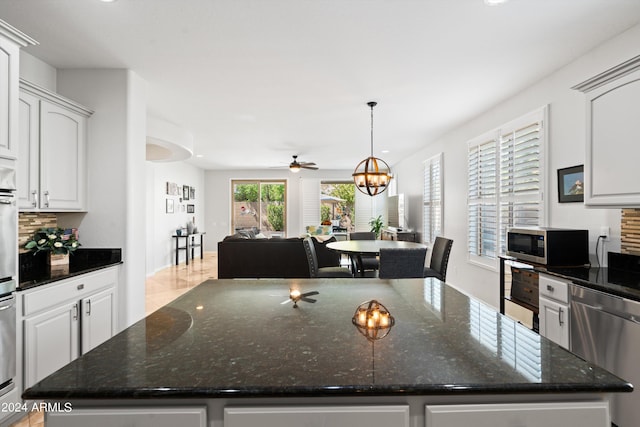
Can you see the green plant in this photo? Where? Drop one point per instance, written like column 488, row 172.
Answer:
column 325, row 213
column 275, row 216
column 54, row 240
column 376, row 225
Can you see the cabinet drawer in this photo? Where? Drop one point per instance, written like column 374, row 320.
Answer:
column 553, row 288
column 50, row 295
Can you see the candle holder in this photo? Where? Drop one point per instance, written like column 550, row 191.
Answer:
column 373, row 320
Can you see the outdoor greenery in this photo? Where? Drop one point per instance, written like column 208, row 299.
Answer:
column 246, row 192
column 271, row 198
column 325, row 213
column 275, row 217
column 342, row 209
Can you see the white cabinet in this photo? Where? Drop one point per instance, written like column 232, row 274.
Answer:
column 612, row 176
column 11, row 40
column 352, row 416
column 52, row 157
column 187, row 416
column 583, row 414
column 66, row 319
column 554, row 309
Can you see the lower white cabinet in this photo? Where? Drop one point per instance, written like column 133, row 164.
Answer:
column 66, row 319
column 294, row 416
column 583, row 414
column 554, row 309
column 187, row 416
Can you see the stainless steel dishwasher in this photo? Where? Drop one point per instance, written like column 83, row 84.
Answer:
column 605, row 330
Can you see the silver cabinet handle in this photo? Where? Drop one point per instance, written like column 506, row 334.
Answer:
column 6, row 307
column 560, row 317
column 46, row 199
column 34, row 193
column 88, row 307
column 75, row 311
column 5, row 201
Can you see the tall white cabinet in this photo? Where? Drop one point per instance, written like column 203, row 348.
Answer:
column 554, row 309
column 52, row 172
column 612, row 176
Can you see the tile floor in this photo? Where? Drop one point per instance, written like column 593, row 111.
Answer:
column 161, row 288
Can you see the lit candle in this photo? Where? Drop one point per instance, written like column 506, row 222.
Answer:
column 362, row 317
column 384, row 320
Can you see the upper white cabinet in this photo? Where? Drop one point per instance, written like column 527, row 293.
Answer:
column 612, row 176
column 52, row 157
column 11, row 40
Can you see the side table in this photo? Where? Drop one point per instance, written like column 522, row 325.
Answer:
column 190, row 243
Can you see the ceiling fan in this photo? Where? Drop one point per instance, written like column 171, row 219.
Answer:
column 295, row 166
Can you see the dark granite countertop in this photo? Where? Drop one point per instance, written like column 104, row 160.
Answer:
column 34, row 270
column 236, row 338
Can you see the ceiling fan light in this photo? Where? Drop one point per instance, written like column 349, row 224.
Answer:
column 294, row 168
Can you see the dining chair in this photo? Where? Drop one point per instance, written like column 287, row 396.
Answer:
column 402, row 263
column 317, row 272
column 439, row 259
column 365, row 263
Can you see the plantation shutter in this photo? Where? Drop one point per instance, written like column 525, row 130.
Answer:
column 506, row 182
column 520, row 178
column 482, row 205
column 310, row 197
column 432, row 221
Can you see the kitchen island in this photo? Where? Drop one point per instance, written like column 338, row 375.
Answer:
column 234, row 350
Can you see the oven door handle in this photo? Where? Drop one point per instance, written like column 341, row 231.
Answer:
column 7, row 307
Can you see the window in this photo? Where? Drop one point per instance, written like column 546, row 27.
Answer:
column 337, row 204
column 259, row 206
column 505, row 187
column 432, row 203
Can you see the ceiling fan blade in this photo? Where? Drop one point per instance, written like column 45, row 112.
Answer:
column 308, row 300
column 309, row 167
column 306, row 163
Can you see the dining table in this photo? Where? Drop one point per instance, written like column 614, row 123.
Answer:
column 358, row 248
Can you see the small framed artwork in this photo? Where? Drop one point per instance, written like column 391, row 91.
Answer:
column 191, row 208
column 192, row 193
column 185, row 192
column 169, row 205
column 571, row 184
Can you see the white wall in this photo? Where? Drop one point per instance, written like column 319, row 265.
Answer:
column 38, row 72
column 116, row 174
column 567, row 128
column 161, row 225
column 218, row 198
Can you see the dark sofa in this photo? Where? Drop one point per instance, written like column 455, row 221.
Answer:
column 242, row 257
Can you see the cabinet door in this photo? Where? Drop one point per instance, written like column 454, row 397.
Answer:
column 62, row 158
column 50, row 341
column 611, row 171
column 98, row 319
column 352, row 416
column 29, row 152
column 8, row 98
column 583, row 414
column 188, row 416
column 554, row 321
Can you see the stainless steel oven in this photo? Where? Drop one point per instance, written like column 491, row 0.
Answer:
column 7, row 335
column 8, row 268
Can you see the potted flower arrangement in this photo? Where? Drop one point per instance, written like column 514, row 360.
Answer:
column 58, row 242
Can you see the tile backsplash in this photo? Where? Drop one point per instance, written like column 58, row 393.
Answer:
column 630, row 231
column 30, row 222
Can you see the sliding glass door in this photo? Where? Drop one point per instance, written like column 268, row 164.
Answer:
column 259, row 206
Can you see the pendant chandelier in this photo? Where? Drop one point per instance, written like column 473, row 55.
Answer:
column 372, row 175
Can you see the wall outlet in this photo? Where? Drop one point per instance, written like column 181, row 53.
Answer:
column 604, row 232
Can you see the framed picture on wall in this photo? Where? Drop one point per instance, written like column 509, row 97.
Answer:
column 192, row 193
column 191, row 208
column 571, row 184
column 185, row 192
column 169, row 205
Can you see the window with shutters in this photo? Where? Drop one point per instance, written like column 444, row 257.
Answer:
column 505, row 184
column 432, row 200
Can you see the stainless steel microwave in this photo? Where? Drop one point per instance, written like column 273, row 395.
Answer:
column 549, row 246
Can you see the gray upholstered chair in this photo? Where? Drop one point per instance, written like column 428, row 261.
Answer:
column 402, row 263
column 439, row 259
column 317, row 272
column 364, row 263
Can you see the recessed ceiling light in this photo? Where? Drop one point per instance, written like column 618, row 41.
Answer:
column 199, row 156
column 384, row 151
column 108, row 1
column 494, row 2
